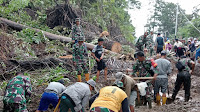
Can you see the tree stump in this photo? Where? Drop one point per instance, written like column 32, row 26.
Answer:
column 113, row 46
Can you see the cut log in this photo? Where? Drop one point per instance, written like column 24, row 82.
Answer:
column 19, row 27
column 66, row 57
column 113, row 46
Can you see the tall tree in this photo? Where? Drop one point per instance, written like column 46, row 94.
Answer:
column 164, row 17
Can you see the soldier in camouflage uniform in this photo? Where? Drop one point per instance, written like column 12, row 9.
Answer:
column 17, row 94
column 80, row 55
column 184, row 77
column 140, row 43
column 145, row 68
column 150, row 43
column 77, row 31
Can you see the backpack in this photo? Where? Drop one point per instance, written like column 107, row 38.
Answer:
column 160, row 41
column 180, row 66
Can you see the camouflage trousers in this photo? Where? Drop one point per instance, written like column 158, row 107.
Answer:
column 149, row 89
column 100, row 109
column 14, row 107
column 81, row 68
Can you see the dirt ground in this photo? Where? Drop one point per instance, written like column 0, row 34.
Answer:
column 178, row 106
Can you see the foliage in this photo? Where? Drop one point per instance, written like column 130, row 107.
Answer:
column 164, row 17
column 3, row 85
column 106, row 13
column 189, row 30
column 127, row 49
column 55, row 74
column 31, row 36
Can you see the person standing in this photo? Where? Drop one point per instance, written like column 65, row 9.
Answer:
column 77, row 31
column 159, row 43
column 140, row 43
column 76, row 96
column 179, row 49
column 51, row 95
column 161, row 81
column 129, row 85
column 197, row 54
column 184, row 67
column 17, row 94
column 168, row 46
column 145, row 68
column 98, row 53
column 150, row 43
column 192, row 49
column 80, row 55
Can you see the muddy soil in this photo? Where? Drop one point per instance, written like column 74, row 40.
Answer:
column 179, row 105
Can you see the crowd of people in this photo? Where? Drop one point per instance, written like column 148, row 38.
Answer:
column 125, row 93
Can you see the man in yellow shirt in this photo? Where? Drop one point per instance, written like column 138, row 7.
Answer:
column 110, row 99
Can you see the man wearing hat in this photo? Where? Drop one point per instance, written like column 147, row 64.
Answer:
column 98, row 53
column 129, row 85
column 51, row 95
column 77, row 31
column 76, row 96
column 162, row 78
column 80, row 55
column 110, row 99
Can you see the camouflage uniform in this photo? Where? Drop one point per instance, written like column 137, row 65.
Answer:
column 18, row 91
column 142, row 70
column 140, row 43
column 80, row 55
column 150, row 44
column 77, row 32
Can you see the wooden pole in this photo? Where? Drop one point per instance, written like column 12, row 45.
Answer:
column 143, row 78
column 57, row 106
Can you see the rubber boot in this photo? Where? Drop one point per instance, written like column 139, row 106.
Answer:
column 164, row 100
column 79, row 78
column 158, row 100
column 187, row 99
column 87, row 76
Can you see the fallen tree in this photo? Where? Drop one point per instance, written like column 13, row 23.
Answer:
column 51, row 36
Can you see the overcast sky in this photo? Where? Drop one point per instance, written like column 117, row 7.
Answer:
column 139, row 16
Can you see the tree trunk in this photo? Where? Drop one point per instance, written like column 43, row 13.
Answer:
column 113, row 46
column 19, row 27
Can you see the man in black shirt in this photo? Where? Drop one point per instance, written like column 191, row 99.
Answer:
column 98, row 53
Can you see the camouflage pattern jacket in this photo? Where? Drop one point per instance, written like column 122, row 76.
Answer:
column 149, row 42
column 80, row 53
column 77, row 32
column 142, row 68
column 18, row 90
column 187, row 63
column 140, row 43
